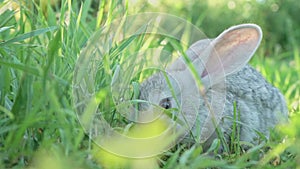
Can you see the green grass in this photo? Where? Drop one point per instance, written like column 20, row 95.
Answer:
column 39, row 47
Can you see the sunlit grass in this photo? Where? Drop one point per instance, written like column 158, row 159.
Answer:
column 138, row 131
column 39, row 46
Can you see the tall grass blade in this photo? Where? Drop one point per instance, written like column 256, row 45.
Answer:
column 28, row 35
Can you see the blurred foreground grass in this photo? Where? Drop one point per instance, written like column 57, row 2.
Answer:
column 39, row 45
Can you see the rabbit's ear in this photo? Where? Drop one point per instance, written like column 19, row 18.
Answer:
column 230, row 52
column 197, row 49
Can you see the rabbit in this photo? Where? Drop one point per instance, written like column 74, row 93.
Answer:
column 221, row 64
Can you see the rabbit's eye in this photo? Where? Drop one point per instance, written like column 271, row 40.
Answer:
column 165, row 103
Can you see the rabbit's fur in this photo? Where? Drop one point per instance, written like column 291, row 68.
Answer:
column 259, row 105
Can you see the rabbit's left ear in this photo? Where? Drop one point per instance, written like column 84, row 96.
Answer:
column 196, row 53
column 214, row 59
column 230, row 51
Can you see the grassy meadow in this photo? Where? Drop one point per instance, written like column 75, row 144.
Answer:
column 41, row 40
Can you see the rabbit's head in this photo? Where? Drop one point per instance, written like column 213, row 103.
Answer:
column 213, row 60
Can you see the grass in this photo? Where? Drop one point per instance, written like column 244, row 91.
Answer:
column 38, row 54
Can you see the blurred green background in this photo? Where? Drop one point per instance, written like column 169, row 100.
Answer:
column 41, row 40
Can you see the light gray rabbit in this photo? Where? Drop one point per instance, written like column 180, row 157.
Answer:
column 221, row 63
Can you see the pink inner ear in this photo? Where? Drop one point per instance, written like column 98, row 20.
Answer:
column 235, row 48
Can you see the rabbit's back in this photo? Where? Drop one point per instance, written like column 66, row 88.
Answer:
column 260, row 106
